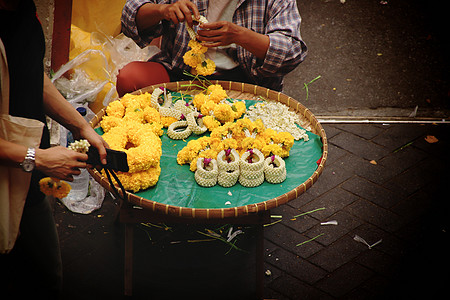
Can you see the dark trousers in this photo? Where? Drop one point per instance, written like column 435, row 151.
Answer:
column 34, row 265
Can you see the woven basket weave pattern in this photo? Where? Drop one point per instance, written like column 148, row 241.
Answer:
column 235, row 90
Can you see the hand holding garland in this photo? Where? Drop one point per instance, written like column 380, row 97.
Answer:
column 224, row 33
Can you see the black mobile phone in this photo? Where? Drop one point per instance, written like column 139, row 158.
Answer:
column 115, row 160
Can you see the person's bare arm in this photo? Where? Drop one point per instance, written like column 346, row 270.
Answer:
column 58, row 162
column 64, row 113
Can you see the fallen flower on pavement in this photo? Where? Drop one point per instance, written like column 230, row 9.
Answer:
column 361, row 240
column 431, row 139
column 332, row 222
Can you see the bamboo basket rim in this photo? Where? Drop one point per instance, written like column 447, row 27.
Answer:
column 238, row 211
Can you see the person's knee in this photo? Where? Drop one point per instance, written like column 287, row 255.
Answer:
column 138, row 74
column 126, row 80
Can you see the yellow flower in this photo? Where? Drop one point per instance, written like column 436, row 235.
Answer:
column 54, row 187
column 272, row 149
column 239, row 109
column 208, row 107
column 199, row 100
column 206, row 67
column 166, row 121
column 224, row 113
column 151, row 115
column 61, row 189
column 216, row 93
column 156, row 128
column 230, row 144
column 210, row 122
column 116, row 138
column 286, row 139
column 46, row 186
column 116, row 109
column 197, row 47
column 109, row 122
column 140, row 180
column 251, row 143
column 192, row 59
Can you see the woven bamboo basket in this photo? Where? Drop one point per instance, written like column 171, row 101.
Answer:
column 234, row 90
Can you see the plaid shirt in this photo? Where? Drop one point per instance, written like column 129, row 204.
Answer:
column 278, row 19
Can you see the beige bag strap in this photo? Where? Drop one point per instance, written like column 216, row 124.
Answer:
column 4, row 81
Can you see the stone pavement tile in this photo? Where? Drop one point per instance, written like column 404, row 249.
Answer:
column 293, row 289
column 367, row 131
column 403, row 159
column 337, row 254
column 370, row 191
column 331, row 176
column 379, row 262
column 294, row 266
column 333, row 201
column 390, row 243
column 334, row 154
column 417, row 205
column 376, row 173
column 398, row 135
column 377, row 287
column 374, row 214
column 288, row 238
column 330, row 130
column 416, row 177
column 300, row 224
column 359, row 146
column 343, row 280
column 302, row 199
column 439, row 149
column 331, row 233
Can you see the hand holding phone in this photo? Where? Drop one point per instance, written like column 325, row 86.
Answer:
column 116, row 160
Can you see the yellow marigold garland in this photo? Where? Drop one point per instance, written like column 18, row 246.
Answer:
column 54, row 187
column 195, row 58
column 134, row 125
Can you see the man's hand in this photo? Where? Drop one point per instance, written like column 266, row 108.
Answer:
column 220, row 33
column 223, row 33
column 180, row 11
column 60, row 162
column 95, row 140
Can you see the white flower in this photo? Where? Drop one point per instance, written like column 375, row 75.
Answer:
column 277, row 116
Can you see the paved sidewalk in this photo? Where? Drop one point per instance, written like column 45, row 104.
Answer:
column 381, row 182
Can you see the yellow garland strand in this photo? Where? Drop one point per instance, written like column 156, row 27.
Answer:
column 195, row 58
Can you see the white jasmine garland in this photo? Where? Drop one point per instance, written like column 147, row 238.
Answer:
column 277, row 116
column 81, row 146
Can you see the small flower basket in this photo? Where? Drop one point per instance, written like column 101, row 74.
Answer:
column 274, row 169
column 252, row 168
column 228, row 161
column 207, row 172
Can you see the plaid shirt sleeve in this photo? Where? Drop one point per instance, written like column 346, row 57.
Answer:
column 280, row 20
column 286, row 49
column 129, row 27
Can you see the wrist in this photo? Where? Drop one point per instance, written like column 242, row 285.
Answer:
column 28, row 164
column 38, row 158
column 149, row 15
